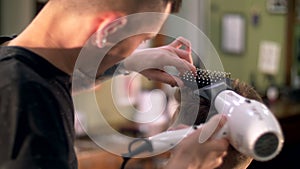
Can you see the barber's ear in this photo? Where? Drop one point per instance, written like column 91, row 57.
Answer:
column 108, row 27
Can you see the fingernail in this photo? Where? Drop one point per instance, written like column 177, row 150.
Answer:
column 202, row 138
column 180, row 83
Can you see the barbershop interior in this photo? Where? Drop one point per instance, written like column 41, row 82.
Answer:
column 254, row 41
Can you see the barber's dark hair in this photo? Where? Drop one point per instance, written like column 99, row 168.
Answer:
column 176, row 4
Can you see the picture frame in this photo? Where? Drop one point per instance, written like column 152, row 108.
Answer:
column 277, row 6
column 233, row 33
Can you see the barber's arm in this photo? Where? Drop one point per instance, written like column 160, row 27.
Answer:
column 151, row 62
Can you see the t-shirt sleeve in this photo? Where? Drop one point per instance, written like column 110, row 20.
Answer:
column 31, row 129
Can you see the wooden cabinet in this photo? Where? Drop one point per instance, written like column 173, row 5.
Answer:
column 99, row 159
column 90, row 156
column 293, row 44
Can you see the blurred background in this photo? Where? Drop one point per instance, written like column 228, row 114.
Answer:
column 258, row 41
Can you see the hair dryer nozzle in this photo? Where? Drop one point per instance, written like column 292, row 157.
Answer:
column 267, row 146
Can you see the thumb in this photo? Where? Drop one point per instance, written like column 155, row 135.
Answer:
column 211, row 127
column 180, row 41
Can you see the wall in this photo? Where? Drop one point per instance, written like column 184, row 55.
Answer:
column 15, row 15
column 197, row 12
column 271, row 27
column 192, row 20
column 193, row 23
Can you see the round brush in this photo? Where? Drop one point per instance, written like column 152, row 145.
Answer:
column 203, row 77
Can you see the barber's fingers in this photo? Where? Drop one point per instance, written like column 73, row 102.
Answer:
column 185, row 53
column 180, row 41
column 217, row 160
column 178, row 127
column 161, row 76
column 166, row 57
column 210, row 152
column 218, row 145
column 211, row 127
column 181, row 65
column 217, row 150
column 157, row 58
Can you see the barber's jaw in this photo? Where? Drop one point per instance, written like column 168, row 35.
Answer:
column 146, row 27
column 125, row 48
column 139, row 28
column 136, row 28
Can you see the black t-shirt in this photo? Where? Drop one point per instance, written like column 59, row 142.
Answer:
column 36, row 113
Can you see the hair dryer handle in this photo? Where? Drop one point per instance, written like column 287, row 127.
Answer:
column 223, row 132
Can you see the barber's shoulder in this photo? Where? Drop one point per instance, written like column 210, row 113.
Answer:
column 4, row 40
column 14, row 73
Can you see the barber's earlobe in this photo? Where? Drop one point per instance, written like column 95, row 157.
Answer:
column 107, row 29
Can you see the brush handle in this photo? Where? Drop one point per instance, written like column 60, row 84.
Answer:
column 223, row 132
column 169, row 139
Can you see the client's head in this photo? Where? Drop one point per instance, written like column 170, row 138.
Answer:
column 188, row 107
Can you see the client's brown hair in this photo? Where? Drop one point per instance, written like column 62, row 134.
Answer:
column 188, row 106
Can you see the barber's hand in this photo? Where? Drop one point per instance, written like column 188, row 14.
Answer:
column 152, row 62
column 192, row 154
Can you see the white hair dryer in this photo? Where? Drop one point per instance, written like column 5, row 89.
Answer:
column 251, row 127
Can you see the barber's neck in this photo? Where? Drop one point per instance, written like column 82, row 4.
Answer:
column 56, row 36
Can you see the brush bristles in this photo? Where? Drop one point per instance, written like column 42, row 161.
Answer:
column 204, row 77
